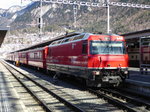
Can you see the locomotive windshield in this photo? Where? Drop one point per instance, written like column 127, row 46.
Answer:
column 107, row 47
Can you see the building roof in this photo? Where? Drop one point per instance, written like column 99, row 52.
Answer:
column 2, row 36
column 137, row 34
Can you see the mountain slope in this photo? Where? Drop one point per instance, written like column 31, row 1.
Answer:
column 60, row 17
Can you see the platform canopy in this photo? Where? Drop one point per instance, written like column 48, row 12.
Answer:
column 137, row 34
column 2, row 36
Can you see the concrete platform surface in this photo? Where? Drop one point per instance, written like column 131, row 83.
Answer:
column 135, row 74
column 9, row 99
column 138, row 83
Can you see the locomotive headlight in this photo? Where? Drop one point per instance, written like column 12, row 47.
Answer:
column 125, row 72
column 96, row 72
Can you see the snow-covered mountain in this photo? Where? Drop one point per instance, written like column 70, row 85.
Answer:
column 61, row 16
column 9, row 12
column 7, row 16
column 2, row 11
column 14, row 9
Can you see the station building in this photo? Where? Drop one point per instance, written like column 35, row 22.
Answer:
column 138, row 48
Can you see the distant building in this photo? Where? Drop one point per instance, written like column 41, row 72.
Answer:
column 138, row 48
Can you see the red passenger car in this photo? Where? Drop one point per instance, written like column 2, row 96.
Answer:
column 99, row 59
column 36, row 58
column 23, row 57
column 16, row 56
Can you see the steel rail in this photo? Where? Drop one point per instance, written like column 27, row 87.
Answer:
column 42, row 103
column 70, row 105
column 113, row 101
column 128, row 98
column 99, row 94
column 133, row 93
column 102, row 95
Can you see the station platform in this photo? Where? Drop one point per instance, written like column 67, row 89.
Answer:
column 9, row 99
column 135, row 74
column 137, row 82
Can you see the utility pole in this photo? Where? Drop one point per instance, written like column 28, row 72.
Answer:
column 108, row 17
column 75, row 15
column 40, row 20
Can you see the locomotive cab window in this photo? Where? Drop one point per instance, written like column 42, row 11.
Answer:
column 107, row 47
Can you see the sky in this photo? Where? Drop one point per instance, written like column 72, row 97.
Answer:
column 5, row 4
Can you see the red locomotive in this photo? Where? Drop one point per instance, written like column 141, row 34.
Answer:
column 98, row 59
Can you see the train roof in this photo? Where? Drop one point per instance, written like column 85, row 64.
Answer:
column 80, row 36
column 36, row 49
column 73, row 38
column 48, row 42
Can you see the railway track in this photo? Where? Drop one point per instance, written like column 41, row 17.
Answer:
column 132, row 98
column 41, row 94
column 121, row 100
column 82, row 99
